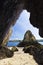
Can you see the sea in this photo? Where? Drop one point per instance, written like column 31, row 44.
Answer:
column 10, row 43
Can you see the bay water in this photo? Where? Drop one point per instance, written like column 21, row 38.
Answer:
column 16, row 43
column 12, row 43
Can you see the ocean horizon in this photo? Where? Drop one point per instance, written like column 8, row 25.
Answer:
column 15, row 43
column 12, row 43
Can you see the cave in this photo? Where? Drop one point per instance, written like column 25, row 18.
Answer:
column 10, row 11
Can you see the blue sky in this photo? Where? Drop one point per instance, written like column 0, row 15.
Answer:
column 22, row 25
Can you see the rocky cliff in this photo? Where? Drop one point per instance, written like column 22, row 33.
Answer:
column 11, row 9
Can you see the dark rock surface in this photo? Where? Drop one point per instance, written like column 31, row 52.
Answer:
column 32, row 47
column 36, row 52
column 11, row 9
column 25, row 44
column 29, row 39
column 9, row 13
column 28, row 36
column 14, row 49
column 5, row 52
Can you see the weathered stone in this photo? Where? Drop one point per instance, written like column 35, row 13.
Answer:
column 29, row 36
column 6, row 52
column 14, row 49
column 29, row 39
column 30, row 49
column 10, row 11
column 36, row 52
column 41, row 56
column 6, row 38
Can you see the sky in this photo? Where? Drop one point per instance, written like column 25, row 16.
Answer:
column 22, row 25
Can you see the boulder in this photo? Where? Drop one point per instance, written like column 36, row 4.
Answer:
column 36, row 52
column 6, row 52
column 31, row 49
column 14, row 49
column 29, row 39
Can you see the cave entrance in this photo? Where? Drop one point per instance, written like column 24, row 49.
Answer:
column 22, row 25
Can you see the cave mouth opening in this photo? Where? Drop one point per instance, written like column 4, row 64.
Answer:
column 22, row 25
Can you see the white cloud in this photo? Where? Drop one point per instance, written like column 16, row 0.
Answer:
column 17, row 35
column 23, row 23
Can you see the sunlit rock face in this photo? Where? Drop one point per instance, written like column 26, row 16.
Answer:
column 28, row 40
column 11, row 9
column 6, row 38
column 29, row 36
column 9, row 13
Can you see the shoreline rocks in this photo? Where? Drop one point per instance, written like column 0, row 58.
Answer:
column 7, row 52
column 36, row 52
column 32, row 47
column 14, row 49
column 29, row 39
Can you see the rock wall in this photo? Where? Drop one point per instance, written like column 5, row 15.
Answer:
column 11, row 9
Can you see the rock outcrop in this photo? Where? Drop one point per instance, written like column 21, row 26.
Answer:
column 29, row 39
column 32, row 47
column 5, row 52
column 36, row 52
column 29, row 36
column 14, row 49
column 19, row 58
column 10, row 11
